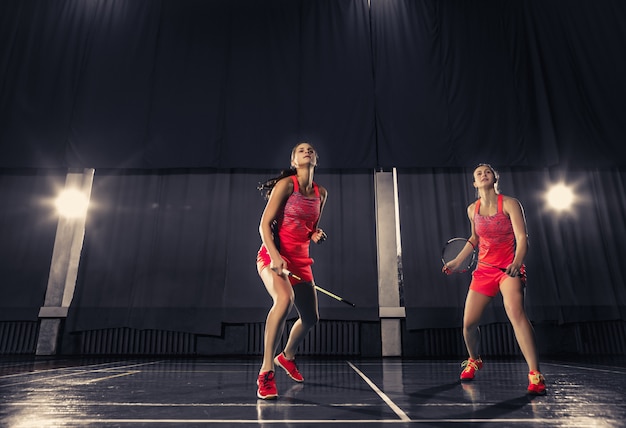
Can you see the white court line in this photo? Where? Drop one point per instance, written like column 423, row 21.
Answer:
column 397, row 410
column 87, row 382
column 126, row 404
column 31, row 403
column 71, row 371
column 400, row 364
column 497, row 422
column 593, row 369
column 56, row 369
column 80, row 368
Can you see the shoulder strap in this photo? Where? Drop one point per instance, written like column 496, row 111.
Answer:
column 296, row 187
column 477, row 206
column 500, row 203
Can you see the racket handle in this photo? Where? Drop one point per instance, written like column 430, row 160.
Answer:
column 294, row 276
column 498, row 267
column 320, row 289
column 334, row 296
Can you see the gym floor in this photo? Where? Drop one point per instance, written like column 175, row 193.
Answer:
column 387, row 392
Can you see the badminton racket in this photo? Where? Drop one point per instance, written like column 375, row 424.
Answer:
column 321, row 290
column 451, row 250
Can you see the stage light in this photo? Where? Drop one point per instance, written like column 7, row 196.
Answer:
column 72, row 203
column 560, row 197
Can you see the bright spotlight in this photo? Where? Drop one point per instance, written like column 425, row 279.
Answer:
column 72, row 203
column 560, row 197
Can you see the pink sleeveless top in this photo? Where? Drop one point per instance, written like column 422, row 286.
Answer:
column 496, row 244
column 294, row 225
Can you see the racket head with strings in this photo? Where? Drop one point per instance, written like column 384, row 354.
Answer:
column 451, row 249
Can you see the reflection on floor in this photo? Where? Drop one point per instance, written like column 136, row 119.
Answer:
column 167, row 392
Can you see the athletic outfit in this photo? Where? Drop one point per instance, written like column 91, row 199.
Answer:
column 496, row 248
column 292, row 233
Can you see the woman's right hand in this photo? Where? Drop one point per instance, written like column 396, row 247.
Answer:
column 450, row 266
column 278, row 265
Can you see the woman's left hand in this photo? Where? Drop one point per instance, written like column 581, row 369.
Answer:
column 512, row 270
column 318, row 236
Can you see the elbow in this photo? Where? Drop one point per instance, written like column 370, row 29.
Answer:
column 522, row 240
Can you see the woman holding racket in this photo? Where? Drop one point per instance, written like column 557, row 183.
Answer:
column 498, row 229
column 288, row 224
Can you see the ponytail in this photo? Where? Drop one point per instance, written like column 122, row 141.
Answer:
column 268, row 186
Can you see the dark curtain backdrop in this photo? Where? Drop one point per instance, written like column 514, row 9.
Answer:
column 574, row 261
column 28, row 224
column 182, row 106
column 176, row 250
column 192, row 83
column 380, row 83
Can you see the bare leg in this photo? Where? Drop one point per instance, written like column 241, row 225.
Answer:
column 306, row 305
column 513, row 296
column 475, row 304
column 282, row 295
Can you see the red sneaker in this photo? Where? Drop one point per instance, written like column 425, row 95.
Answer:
column 289, row 366
column 536, row 383
column 267, row 386
column 471, row 367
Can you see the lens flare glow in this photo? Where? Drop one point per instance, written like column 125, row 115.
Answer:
column 72, row 203
column 560, row 197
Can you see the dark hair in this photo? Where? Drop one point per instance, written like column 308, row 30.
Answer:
column 268, row 186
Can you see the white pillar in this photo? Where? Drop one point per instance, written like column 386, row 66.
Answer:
column 68, row 245
column 388, row 247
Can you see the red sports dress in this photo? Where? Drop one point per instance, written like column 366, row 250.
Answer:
column 496, row 246
column 295, row 224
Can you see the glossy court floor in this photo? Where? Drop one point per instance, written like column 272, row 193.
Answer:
column 198, row 392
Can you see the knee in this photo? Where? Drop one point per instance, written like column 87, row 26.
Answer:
column 310, row 320
column 470, row 324
column 283, row 303
column 515, row 313
column 316, row 319
column 470, row 330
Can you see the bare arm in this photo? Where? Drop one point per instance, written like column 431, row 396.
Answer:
column 514, row 210
column 282, row 190
column 318, row 234
column 473, row 236
column 468, row 248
